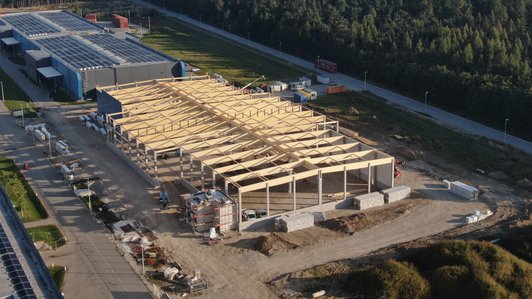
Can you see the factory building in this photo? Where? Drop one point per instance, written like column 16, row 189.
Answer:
column 264, row 152
column 70, row 52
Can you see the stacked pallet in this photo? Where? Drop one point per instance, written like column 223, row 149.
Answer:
column 368, row 201
column 396, row 193
column 464, row 190
column 290, row 223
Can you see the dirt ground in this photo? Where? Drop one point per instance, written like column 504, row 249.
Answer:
column 233, row 268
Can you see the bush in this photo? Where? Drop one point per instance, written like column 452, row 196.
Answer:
column 391, row 279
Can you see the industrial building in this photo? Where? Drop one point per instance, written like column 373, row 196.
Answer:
column 264, row 152
column 65, row 50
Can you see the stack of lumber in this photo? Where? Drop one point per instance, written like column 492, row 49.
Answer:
column 464, row 190
column 290, row 223
column 368, row 201
column 396, row 193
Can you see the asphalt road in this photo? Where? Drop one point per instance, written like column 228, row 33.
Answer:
column 443, row 117
column 96, row 269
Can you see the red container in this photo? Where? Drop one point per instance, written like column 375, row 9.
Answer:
column 336, row 89
column 120, row 21
column 327, row 65
column 91, row 18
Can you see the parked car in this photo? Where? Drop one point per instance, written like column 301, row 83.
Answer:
column 249, row 214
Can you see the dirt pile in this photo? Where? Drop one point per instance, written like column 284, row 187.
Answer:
column 360, row 221
column 281, row 241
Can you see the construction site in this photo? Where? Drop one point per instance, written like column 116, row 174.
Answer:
column 263, row 151
column 219, row 191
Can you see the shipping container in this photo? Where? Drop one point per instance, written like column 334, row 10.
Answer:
column 309, row 93
column 336, row 89
column 120, row 21
column 297, row 85
column 277, row 86
column 91, row 18
column 322, row 79
column 307, row 81
column 300, row 98
column 326, row 65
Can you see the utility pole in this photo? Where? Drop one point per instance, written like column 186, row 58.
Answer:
column 505, row 123
column 2, row 87
column 426, row 95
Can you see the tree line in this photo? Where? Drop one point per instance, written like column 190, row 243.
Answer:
column 474, row 57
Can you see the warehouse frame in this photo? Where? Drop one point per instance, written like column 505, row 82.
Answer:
column 248, row 142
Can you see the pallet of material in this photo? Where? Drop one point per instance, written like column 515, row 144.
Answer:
column 464, row 190
column 396, row 193
column 368, row 201
column 290, row 223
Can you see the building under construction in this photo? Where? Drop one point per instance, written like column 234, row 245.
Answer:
column 264, row 152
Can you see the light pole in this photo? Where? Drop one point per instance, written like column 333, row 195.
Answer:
column 505, row 123
column 2, row 88
column 365, row 75
column 426, row 95
column 280, row 44
column 142, row 255
column 318, row 63
column 89, row 188
column 50, row 147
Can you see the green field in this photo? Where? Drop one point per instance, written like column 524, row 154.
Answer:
column 58, row 274
column 471, row 152
column 215, row 55
column 28, row 206
column 47, row 233
column 14, row 96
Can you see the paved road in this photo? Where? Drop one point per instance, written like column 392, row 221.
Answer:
column 441, row 116
column 96, row 269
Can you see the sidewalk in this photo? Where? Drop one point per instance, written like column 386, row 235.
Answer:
column 96, row 269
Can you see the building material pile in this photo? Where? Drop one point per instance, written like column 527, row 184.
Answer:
column 293, row 222
column 464, row 190
column 210, row 208
column 396, row 193
column 477, row 216
column 367, row 201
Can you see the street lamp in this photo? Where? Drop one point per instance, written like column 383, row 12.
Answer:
column 318, row 63
column 505, row 123
column 365, row 75
column 142, row 253
column 2, row 88
column 426, row 95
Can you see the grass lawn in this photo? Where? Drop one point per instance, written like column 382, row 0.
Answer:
column 49, row 234
column 215, row 55
column 58, row 274
column 28, row 206
column 471, row 152
column 14, row 96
